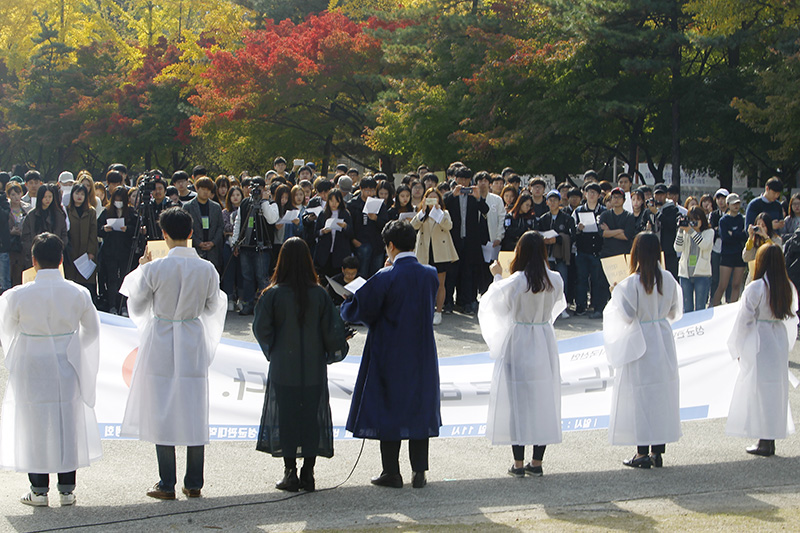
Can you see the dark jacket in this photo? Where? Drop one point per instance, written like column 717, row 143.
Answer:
column 215, row 230
column 5, row 227
column 364, row 229
column 588, row 243
column 514, row 229
column 298, row 352
column 469, row 248
column 341, row 246
column 38, row 221
column 396, row 394
column 565, row 226
column 667, row 218
column 116, row 244
column 82, row 240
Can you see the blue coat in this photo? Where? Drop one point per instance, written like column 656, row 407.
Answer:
column 396, row 395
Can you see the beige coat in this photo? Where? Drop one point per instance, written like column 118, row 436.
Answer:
column 439, row 234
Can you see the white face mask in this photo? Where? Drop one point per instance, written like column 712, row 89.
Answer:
column 118, row 204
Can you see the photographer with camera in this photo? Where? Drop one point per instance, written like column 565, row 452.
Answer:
column 760, row 232
column 694, row 241
column 254, row 229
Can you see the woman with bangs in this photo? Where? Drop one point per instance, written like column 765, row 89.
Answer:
column 520, row 219
column 231, row 273
column 82, row 238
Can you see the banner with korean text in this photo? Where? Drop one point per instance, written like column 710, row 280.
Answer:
column 238, row 376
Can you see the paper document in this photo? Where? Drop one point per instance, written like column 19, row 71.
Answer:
column 628, row 205
column 159, row 249
column 490, row 253
column 407, row 216
column 437, row 215
column 354, row 285
column 588, row 221
column 549, row 234
column 373, row 206
column 315, row 210
column 85, row 266
column 30, row 274
column 338, row 288
column 333, row 224
column 505, row 258
column 290, row 216
column 116, row 223
column 616, row 268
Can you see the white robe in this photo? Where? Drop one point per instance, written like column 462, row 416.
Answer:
column 50, row 334
column 517, row 325
column 760, row 404
column 180, row 311
column 645, row 405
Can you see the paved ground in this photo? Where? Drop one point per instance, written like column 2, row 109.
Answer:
column 708, row 483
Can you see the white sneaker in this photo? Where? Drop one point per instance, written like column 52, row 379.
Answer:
column 34, row 500
column 437, row 319
column 66, row 498
column 231, row 305
column 564, row 314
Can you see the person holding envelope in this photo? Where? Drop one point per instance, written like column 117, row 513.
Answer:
column 434, row 243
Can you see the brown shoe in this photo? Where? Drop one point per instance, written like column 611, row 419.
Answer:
column 159, row 494
column 191, row 493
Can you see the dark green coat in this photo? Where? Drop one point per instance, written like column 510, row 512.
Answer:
column 296, row 420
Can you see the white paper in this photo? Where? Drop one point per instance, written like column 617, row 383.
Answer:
column 588, row 221
column 315, row 210
column 628, row 205
column 373, row 206
column 338, row 288
column 116, row 223
column 85, row 266
column 290, row 216
column 437, row 215
column 490, row 253
column 354, row 285
column 549, row 234
column 333, row 224
column 407, row 216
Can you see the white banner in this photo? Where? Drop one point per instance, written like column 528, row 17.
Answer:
column 238, row 376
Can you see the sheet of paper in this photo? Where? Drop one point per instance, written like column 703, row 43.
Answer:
column 85, row 266
column 616, row 268
column 628, row 205
column 407, row 216
column 333, row 224
column 315, row 210
column 116, row 223
column 356, row 284
column 290, row 216
column 437, row 215
column 490, row 253
column 373, row 206
column 588, row 221
column 338, row 288
column 30, row 274
column 505, row 258
column 549, row 234
column 159, row 249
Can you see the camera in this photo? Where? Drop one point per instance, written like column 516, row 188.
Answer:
column 466, row 190
column 148, row 184
column 256, row 191
column 683, row 222
column 650, row 202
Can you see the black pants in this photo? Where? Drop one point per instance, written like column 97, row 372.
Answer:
column 308, row 462
column 519, row 452
column 417, row 453
column 40, row 483
column 655, row 448
column 461, row 280
column 195, row 456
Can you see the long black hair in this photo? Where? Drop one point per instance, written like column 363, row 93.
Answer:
column 771, row 264
column 47, row 217
column 295, row 269
column 645, row 256
column 530, row 257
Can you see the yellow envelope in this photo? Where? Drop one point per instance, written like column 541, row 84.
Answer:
column 505, row 259
column 30, row 274
column 159, row 249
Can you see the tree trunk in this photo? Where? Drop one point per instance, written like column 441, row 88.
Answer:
column 386, row 163
column 676, row 114
column 326, row 157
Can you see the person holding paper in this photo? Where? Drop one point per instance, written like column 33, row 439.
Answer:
column 516, row 318
column 310, row 216
column 117, row 242
column 334, row 232
column 396, row 395
column 348, row 274
column 763, row 335
column 300, row 333
column 402, row 204
column 82, row 238
column 694, row 241
column 207, row 226
column 434, row 244
column 179, row 311
column 367, row 226
column 645, row 406
column 288, row 224
column 589, row 244
column 559, row 247
column 49, row 330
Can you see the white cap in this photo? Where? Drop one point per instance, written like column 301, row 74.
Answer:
column 723, row 192
column 733, row 198
column 66, row 177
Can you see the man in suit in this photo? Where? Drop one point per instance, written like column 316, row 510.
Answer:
column 396, row 396
column 367, row 228
column 465, row 205
column 207, row 224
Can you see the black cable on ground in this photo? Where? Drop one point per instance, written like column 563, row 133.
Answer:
column 216, row 508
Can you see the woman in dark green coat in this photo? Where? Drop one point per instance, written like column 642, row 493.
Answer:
column 300, row 333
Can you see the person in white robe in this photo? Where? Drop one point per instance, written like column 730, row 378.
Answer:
column 49, row 330
column 645, row 408
column 763, row 335
column 516, row 316
column 179, row 309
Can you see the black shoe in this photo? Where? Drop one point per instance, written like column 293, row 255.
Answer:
column 307, row 479
column 656, row 460
column 533, row 470
column 447, row 310
column 471, row 309
column 289, row 482
column 580, row 311
column 418, row 480
column 516, row 472
column 394, row 481
column 596, row 315
column 764, row 449
column 638, row 462
column 247, row 309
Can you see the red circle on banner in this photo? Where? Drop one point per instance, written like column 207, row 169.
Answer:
column 127, row 366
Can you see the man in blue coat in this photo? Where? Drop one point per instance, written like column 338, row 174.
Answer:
column 396, row 396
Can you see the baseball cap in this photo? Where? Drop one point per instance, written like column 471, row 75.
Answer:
column 617, row 190
column 721, row 192
column 553, row 193
column 660, row 188
column 66, row 177
column 733, row 198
